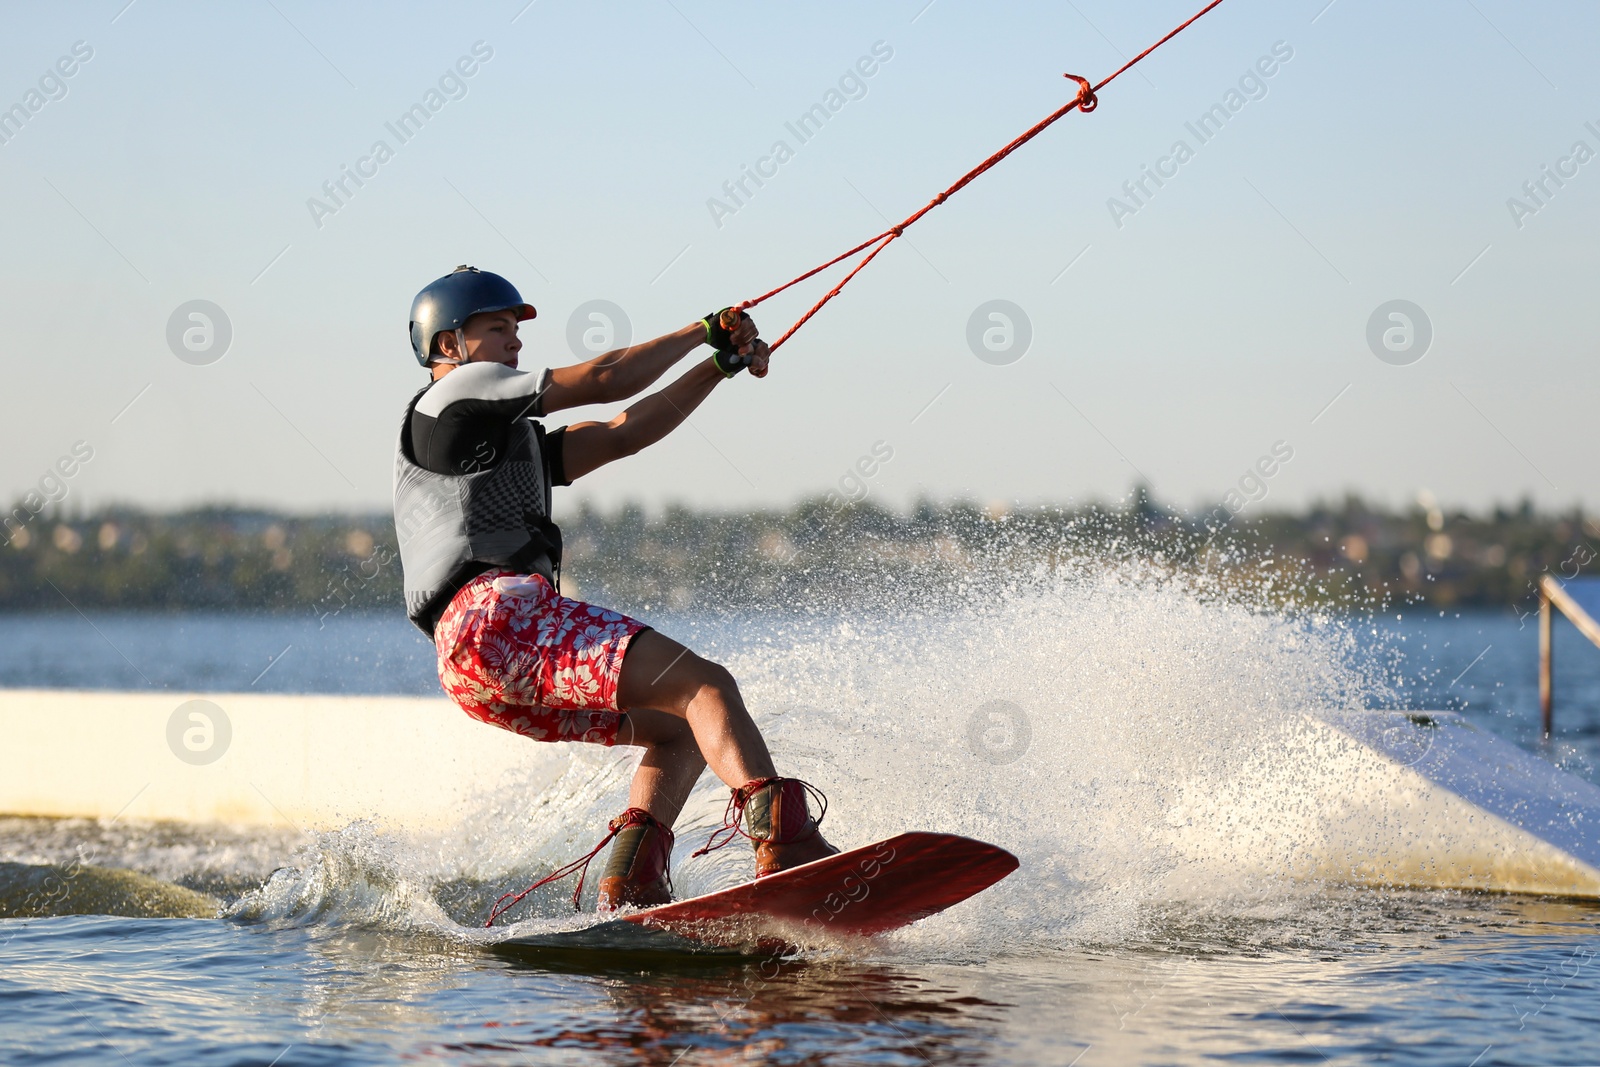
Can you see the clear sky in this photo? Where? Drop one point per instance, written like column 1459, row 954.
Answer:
column 1178, row 334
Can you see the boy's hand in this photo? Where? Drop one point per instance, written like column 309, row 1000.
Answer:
column 760, row 354
column 754, row 355
column 729, row 330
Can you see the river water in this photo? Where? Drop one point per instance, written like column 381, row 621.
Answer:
column 1104, row 948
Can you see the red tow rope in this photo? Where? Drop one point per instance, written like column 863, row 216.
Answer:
column 1086, row 101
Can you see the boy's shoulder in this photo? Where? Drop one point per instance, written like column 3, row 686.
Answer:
column 481, row 381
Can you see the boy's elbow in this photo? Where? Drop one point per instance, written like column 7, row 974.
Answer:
column 627, row 437
column 615, row 380
column 605, row 386
column 627, row 448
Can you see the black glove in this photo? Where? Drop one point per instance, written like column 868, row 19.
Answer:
column 720, row 326
column 729, row 363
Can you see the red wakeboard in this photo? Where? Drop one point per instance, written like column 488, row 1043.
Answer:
column 865, row 891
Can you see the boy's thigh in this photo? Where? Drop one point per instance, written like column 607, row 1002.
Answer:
column 658, row 672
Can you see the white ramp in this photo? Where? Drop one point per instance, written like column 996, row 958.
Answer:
column 302, row 762
column 1393, row 798
column 1487, row 814
column 1382, row 797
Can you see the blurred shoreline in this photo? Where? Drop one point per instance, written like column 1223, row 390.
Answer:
column 1340, row 556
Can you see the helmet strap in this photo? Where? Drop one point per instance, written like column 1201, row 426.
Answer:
column 461, row 346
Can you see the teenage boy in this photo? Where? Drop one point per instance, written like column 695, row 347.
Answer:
column 482, row 558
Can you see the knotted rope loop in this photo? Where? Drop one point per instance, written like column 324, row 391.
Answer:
column 1087, row 101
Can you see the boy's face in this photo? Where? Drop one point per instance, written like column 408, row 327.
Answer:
column 492, row 338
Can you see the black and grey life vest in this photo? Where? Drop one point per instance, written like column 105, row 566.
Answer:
column 453, row 527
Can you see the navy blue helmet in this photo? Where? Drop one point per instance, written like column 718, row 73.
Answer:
column 450, row 301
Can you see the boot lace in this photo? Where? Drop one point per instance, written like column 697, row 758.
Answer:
column 732, row 826
column 579, row 866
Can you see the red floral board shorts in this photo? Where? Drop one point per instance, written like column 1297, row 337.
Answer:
column 516, row 654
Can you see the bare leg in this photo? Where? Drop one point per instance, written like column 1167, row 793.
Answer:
column 664, row 679
column 687, row 714
column 671, row 766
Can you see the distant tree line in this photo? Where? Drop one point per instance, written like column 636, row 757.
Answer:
column 1344, row 554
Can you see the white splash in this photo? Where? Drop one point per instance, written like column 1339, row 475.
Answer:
column 1088, row 717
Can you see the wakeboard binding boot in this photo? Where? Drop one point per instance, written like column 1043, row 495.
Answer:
column 779, row 823
column 638, row 872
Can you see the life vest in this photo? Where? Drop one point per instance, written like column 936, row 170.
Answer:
column 453, row 527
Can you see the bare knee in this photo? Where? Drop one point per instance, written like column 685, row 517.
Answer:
column 660, row 673
column 713, row 675
column 702, row 678
column 719, row 677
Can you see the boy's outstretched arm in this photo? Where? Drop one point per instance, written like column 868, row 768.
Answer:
column 626, row 372
column 589, row 445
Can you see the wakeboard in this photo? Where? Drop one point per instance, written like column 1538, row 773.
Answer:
column 865, row 891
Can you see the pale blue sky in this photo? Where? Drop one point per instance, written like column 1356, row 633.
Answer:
column 1222, row 317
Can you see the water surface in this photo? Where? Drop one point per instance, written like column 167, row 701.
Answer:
column 1105, row 948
